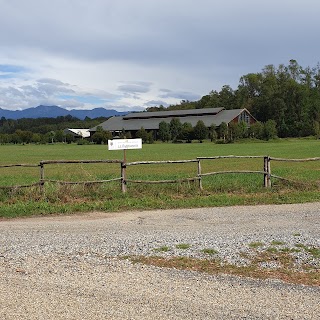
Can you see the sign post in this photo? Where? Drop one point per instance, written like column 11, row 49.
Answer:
column 124, row 144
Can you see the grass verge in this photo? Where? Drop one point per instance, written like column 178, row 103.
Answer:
column 22, row 205
column 285, row 270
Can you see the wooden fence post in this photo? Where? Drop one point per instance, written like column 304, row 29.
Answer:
column 42, row 178
column 123, row 177
column 199, row 175
column 267, row 172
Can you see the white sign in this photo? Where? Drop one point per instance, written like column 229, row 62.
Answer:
column 123, row 144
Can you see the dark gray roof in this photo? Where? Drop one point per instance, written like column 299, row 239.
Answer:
column 172, row 113
column 118, row 123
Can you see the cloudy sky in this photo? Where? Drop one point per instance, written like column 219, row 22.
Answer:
column 133, row 54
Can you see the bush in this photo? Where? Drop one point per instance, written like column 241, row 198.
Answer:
column 81, row 142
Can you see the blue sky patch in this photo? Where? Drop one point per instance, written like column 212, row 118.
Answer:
column 7, row 76
column 8, row 71
column 7, row 68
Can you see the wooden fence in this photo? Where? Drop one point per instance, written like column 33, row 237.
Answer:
column 266, row 171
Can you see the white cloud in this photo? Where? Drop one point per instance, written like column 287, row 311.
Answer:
column 182, row 95
column 155, row 103
column 123, row 52
column 135, row 87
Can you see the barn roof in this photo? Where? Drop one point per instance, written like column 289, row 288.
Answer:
column 84, row 133
column 151, row 120
column 172, row 113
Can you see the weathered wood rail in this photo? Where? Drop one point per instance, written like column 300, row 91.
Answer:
column 157, row 181
column 19, row 165
column 266, row 172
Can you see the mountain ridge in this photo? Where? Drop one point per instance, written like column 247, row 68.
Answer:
column 42, row 111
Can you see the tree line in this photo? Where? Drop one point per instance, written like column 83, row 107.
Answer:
column 176, row 131
column 288, row 94
column 43, row 130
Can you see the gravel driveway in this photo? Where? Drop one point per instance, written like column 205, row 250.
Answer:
column 67, row 267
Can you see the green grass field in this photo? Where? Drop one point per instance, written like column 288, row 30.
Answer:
column 290, row 148
column 218, row 190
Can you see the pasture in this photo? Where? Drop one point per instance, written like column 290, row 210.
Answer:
column 219, row 190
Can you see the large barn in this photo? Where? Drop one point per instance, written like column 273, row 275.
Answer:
column 133, row 122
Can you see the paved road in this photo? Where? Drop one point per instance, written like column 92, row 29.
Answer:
column 68, row 267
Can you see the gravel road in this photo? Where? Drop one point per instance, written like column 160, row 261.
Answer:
column 67, row 267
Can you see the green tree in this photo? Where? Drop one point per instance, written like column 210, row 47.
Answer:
column 50, row 135
column 233, row 131
column 150, row 138
column 200, row 131
column 15, row 138
column 164, row 131
column 289, row 95
column 187, row 132
column 256, row 130
column 270, row 130
column 237, row 131
column 227, row 97
column 5, row 138
column 243, row 130
column 59, row 136
column 212, row 133
column 214, row 100
column 24, row 136
column 142, row 133
column 36, row 138
column 70, row 138
column 223, row 131
column 101, row 136
column 175, row 127
column 316, row 129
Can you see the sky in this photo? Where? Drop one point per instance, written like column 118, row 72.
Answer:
column 133, row 54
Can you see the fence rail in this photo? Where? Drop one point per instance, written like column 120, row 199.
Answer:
column 19, row 165
column 228, row 157
column 43, row 162
column 266, row 172
column 160, row 162
column 81, row 182
column 230, row 172
column 21, row 186
column 165, row 181
column 294, row 160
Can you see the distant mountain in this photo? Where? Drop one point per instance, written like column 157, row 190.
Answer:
column 55, row 111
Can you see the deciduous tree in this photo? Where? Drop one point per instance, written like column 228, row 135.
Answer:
column 175, row 128
column 200, row 131
column 164, row 131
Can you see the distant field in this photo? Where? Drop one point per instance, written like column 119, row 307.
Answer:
column 291, row 148
column 241, row 188
column 33, row 154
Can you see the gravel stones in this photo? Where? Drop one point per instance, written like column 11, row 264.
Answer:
column 68, row 267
